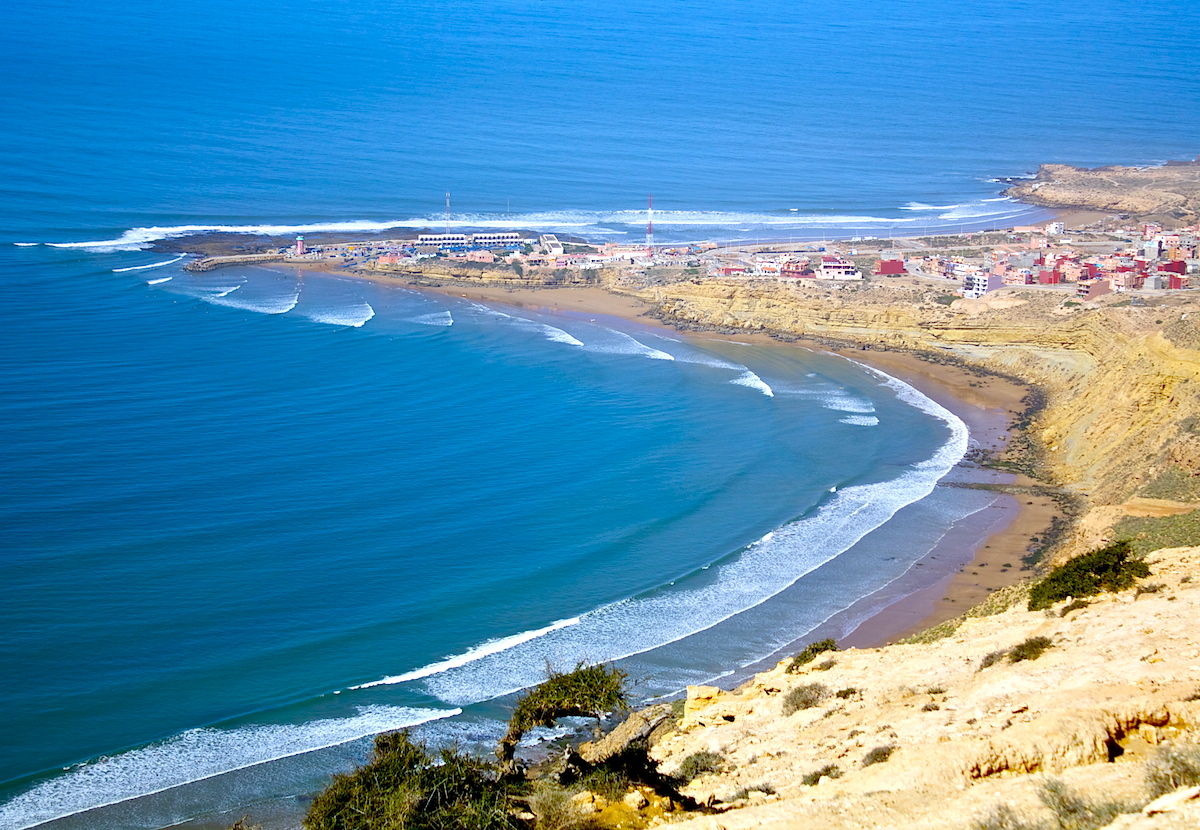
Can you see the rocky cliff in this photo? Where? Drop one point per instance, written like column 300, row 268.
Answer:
column 1089, row 701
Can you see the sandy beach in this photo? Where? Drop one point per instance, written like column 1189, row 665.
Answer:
column 950, row 579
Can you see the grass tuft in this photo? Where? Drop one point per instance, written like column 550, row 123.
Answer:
column 1074, row 812
column 804, row 697
column 827, row 771
column 553, row 809
column 1173, row 767
column 878, row 755
column 697, row 764
column 1029, row 649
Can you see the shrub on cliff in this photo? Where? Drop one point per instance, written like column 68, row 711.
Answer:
column 696, row 764
column 804, row 697
column 587, row 691
column 1029, row 649
column 810, row 653
column 405, row 785
column 1110, row 568
column 1173, row 767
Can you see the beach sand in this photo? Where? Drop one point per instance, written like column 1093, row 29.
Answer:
column 959, row 573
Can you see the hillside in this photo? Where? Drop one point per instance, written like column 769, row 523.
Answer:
column 967, row 728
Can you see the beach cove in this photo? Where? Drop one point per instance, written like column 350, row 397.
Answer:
column 950, row 582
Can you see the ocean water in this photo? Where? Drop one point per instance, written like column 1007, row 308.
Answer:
column 251, row 518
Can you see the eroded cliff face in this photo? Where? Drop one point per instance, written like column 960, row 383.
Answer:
column 1122, row 382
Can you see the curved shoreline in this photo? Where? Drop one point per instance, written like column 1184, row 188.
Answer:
column 988, row 405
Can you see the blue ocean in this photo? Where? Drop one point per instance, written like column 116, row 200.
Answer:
column 253, row 517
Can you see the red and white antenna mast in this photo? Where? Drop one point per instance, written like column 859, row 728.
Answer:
column 650, row 222
column 447, row 211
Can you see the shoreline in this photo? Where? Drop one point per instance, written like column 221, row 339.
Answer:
column 986, row 403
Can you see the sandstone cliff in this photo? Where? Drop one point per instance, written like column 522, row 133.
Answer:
column 1171, row 190
column 956, row 728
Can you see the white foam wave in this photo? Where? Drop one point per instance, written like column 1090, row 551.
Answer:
column 353, row 315
column 27, row 244
column 861, row 420
column 603, row 222
column 147, row 267
column 753, row 381
column 193, row 756
column 843, row 402
column 621, row 343
column 923, row 206
column 471, row 655
column 552, row 333
column 159, row 280
column 437, row 318
column 264, row 305
column 759, row 572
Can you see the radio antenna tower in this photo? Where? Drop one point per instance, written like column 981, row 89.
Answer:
column 447, row 211
column 650, row 223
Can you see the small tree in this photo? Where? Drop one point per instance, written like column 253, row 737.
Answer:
column 585, row 691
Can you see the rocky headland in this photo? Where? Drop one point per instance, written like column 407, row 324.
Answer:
column 1171, row 191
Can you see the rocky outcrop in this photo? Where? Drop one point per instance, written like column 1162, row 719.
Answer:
column 967, row 733
column 1171, row 190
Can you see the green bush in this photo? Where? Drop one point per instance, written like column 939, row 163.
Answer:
column 406, row 786
column 1110, row 568
column 847, row 693
column 827, row 771
column 804, row 697
column 1173, row 767
column 586, row 690
column 878, row 755
column 810, row 653
column 1029, row 649
column 697, row 764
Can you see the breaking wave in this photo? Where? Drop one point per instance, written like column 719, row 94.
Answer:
column 353, row 315
column 678, row 224
column 757, row 573
column 471, row 655
column 152, row 265
column 193, row 756
column 753, row 381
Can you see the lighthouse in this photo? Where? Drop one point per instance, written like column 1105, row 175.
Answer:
column 300, row 246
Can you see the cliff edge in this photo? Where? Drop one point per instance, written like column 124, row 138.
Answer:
column 970, row 728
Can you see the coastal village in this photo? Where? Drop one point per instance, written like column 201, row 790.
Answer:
column 1079, row 266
